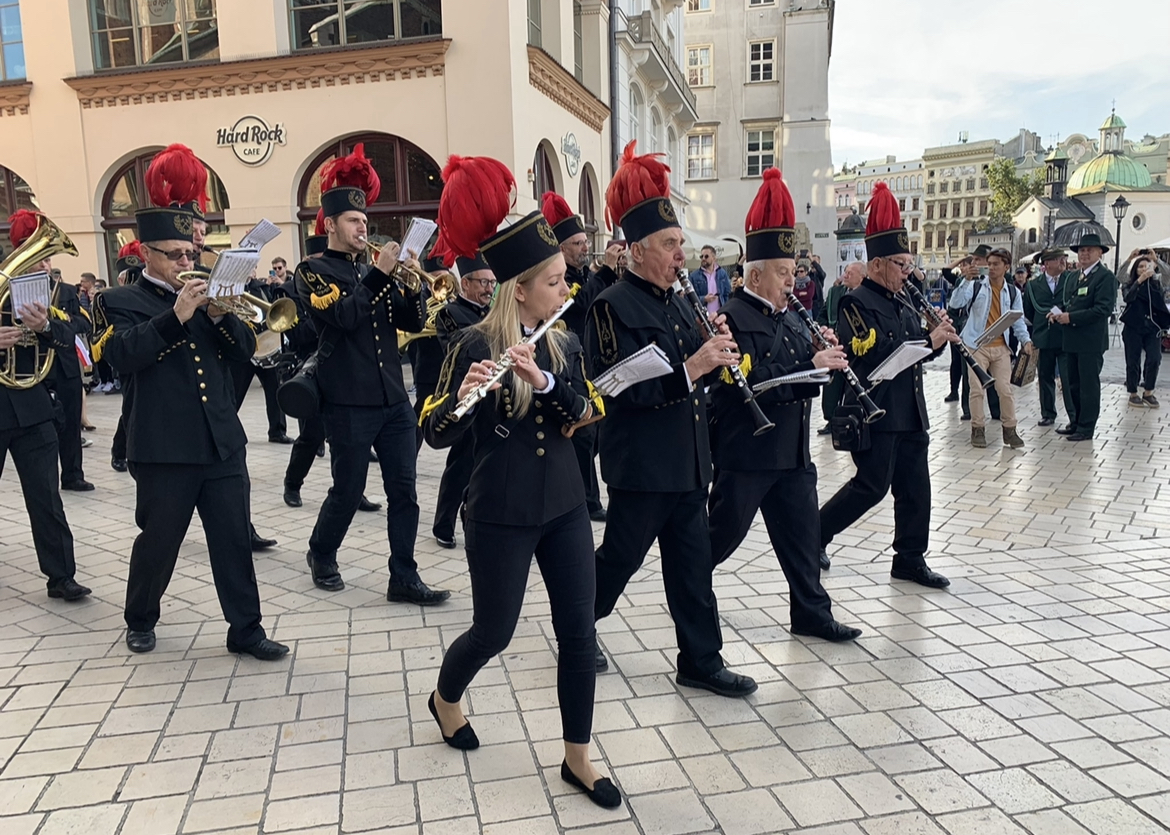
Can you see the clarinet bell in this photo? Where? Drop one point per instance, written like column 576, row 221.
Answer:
column 985, row 379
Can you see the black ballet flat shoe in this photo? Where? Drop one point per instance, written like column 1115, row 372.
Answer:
column 721, row 683
column 367, row 506
column 292, row 497
column 68, row 590
column 921, row 575
column 263, row 650
column 823, row 560
column 604, row 793
column 140, row 641
column 463, row 739
column 838, row 633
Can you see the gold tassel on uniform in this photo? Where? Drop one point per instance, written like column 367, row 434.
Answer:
column 596, row 399
column 429, row 405
column 59, row 314
column 99, row 346
column 323, row 300
column 745, row 366
column 861, row 346
column 574, row 290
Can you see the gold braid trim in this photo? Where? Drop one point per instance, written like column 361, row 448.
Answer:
column 745, row 367
column 861, row 346
column 323, row 300
column 99, row 346
column 429, row 405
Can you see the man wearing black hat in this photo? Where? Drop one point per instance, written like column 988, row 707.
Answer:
column 1089, row 297
column 65, row 382
column 1040, row 294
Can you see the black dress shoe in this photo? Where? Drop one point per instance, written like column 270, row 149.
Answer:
column 604, row 793
column 722, row 683
column 445, row 542
column 292, row 497
column 1079, row 436
column 80, row 486
column 965, row 416
column 417, row 592
column 1066, row 430
column 321, row 451
column 325, row 573
column 367, row 506
column 68, row 590
column 140, row 641
column 598, row 515
column 259, row 543
column 921, row 575
column 264, row 650
column 823, row 560
column 464, row 739
column 600, row 661
column 829, row 631
column 119, row 464
column 953, row 397
column 1046, row 421
column 827, row 429
column 280, row 439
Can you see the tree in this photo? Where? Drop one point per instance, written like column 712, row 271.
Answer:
column 1009, row 190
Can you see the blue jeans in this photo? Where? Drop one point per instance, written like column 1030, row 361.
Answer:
column 352, row 431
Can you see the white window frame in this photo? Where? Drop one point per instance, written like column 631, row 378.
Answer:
column 702, row 155
column 710, row 66
column 761, row 63
column 697, row 6
column 756, row 3
column 760, row 153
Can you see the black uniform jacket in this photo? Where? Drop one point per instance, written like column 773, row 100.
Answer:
column 654, row 435
column 530, row 477
column 457, row 314
column 67, row 366
column 301, row 338
column 871, row 323
column 21, row 408
column 584, row 287
column 364, row 368
column 777, row 346
column 180, row 403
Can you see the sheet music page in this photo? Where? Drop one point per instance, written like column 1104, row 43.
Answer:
column 646, row 364
column 231, row 272
column 416, row 237
column 998, row 327
column 815, row 376
column 27, row 289
column 907, row 355
column 262, row 233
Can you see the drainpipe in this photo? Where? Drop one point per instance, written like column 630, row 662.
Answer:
column 615, row 149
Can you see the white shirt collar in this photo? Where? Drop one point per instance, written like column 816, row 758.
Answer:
column 771, row 306
column 159, row 283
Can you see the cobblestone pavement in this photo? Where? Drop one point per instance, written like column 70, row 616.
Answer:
column 1033, row 696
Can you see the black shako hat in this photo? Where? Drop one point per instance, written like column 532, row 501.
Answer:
column 467, row 266
column 316, row 244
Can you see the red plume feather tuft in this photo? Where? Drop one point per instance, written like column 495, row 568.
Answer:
column 637, row 179
column 133, row 248
column 478, row 193
column 883, row 211
column 176, row 176
column 23, row 224
column 772, row 208
column 320, row 228
column 353, row 171
column 554, row 208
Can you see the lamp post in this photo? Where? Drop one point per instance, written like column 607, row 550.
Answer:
column 952, row 240
column 1120, row 206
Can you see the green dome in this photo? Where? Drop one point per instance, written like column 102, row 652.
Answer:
column 1114, row 121
column 1109, row 172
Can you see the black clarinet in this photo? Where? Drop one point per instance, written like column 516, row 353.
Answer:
column 821, row 342
column 749, row 397
column 933, row 318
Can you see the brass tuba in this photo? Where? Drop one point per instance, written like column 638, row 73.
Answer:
column 48, row 240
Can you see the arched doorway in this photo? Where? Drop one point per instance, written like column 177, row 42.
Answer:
column 15, row 194
column 126, row 194
column 542, row 169
column 411, row 185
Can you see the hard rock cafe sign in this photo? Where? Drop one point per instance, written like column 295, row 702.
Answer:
column 251, row 139
column 571, row 150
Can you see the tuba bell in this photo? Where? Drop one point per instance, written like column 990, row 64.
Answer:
column 48, row 240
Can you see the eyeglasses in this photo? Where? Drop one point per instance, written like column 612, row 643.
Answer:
column 483, row 282
column 176, row 254
column 903, row 266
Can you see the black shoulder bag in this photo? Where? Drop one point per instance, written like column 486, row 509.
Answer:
column 300, row 396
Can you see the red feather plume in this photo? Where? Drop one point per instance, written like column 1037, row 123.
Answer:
column 637, row 179
column 554, row 208
column 883, row 211
column 176, row 176
column 773, row 207
column 320, row 228
column 23, row 224
column 132, row 248
column 478, row 193
column 353, row 171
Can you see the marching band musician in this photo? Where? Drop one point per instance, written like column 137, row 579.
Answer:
column 185, row 442
column 773, row 472
column 477, row 285
column 243, row 372
column 425, row 354
column 655, row 452
column 127, row 266
column 872, row 322
column 525, row 497
column 364, row 401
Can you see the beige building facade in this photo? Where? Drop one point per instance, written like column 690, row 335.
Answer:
column 267, row 91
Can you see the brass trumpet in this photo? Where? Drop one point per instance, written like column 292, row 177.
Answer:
column 411, row 279
column 280, row 315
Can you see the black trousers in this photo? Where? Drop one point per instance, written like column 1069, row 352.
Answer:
column 103, row 373
column 498, row 560
column 242, row 374
column 896, row 461
column 352, row 430
column 1050, row 360
column 958, row 371
column 788, row 500
column 34, row 452
column 679, row 522
column 168, row 494
column 585, row 445
column 69, row 395
column 118, row 447
column 1135, row 341
column 831, row 396
column 1084, row 380
column 456, row 477
column 304, row 450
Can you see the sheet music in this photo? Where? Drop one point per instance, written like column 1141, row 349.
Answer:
column 416, row 238
column 232, row 271
column 27, row 289
column 645, row 364
column 906, row 355
column 1055, row 311
column 997, row 328
column 814, row 376
column 262, row 233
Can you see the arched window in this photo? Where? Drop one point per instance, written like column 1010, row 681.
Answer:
column 542, row 169
column 1031, row 236
column 636, row 104
column 586, row 201
column 15, row 194
column 919, row 181
column 655, row 131
column 411, row 185
column 126, row 194
column 671, row 156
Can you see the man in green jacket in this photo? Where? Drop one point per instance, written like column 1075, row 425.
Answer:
column 1040, row 294
column 1090, row 295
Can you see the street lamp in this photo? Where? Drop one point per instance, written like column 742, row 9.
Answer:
column 1120, row 207
column 952, row 240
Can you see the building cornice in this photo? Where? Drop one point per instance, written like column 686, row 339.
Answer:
column 550, row 78
column 298, row 71
column 14, row 97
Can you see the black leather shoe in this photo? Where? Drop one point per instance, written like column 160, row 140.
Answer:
column 417, row 592
column 1046, row 421
column 367, row 506
column 464, row 739
column 921, row 575
column 598, row 515
column 600, row 661
column 68, row 590
column 823, row 560
column 953, row 397
column 829, row 631
column 279, row 439
column 292, row 497
column 965, row 416
column 604, row 793
column 259, row 543
column 264, row 650
column 1066, row 430
column 325, row 573
column 321, row 451
column 722, row 683
column 827, row 429
column 1078, row 436
column 140, row 641
column 119, row 464
column 80, row 486
column 444, row 542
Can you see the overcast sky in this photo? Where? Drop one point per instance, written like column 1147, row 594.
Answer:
column 909, row 74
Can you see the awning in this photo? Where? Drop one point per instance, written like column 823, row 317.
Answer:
column 726, row 252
